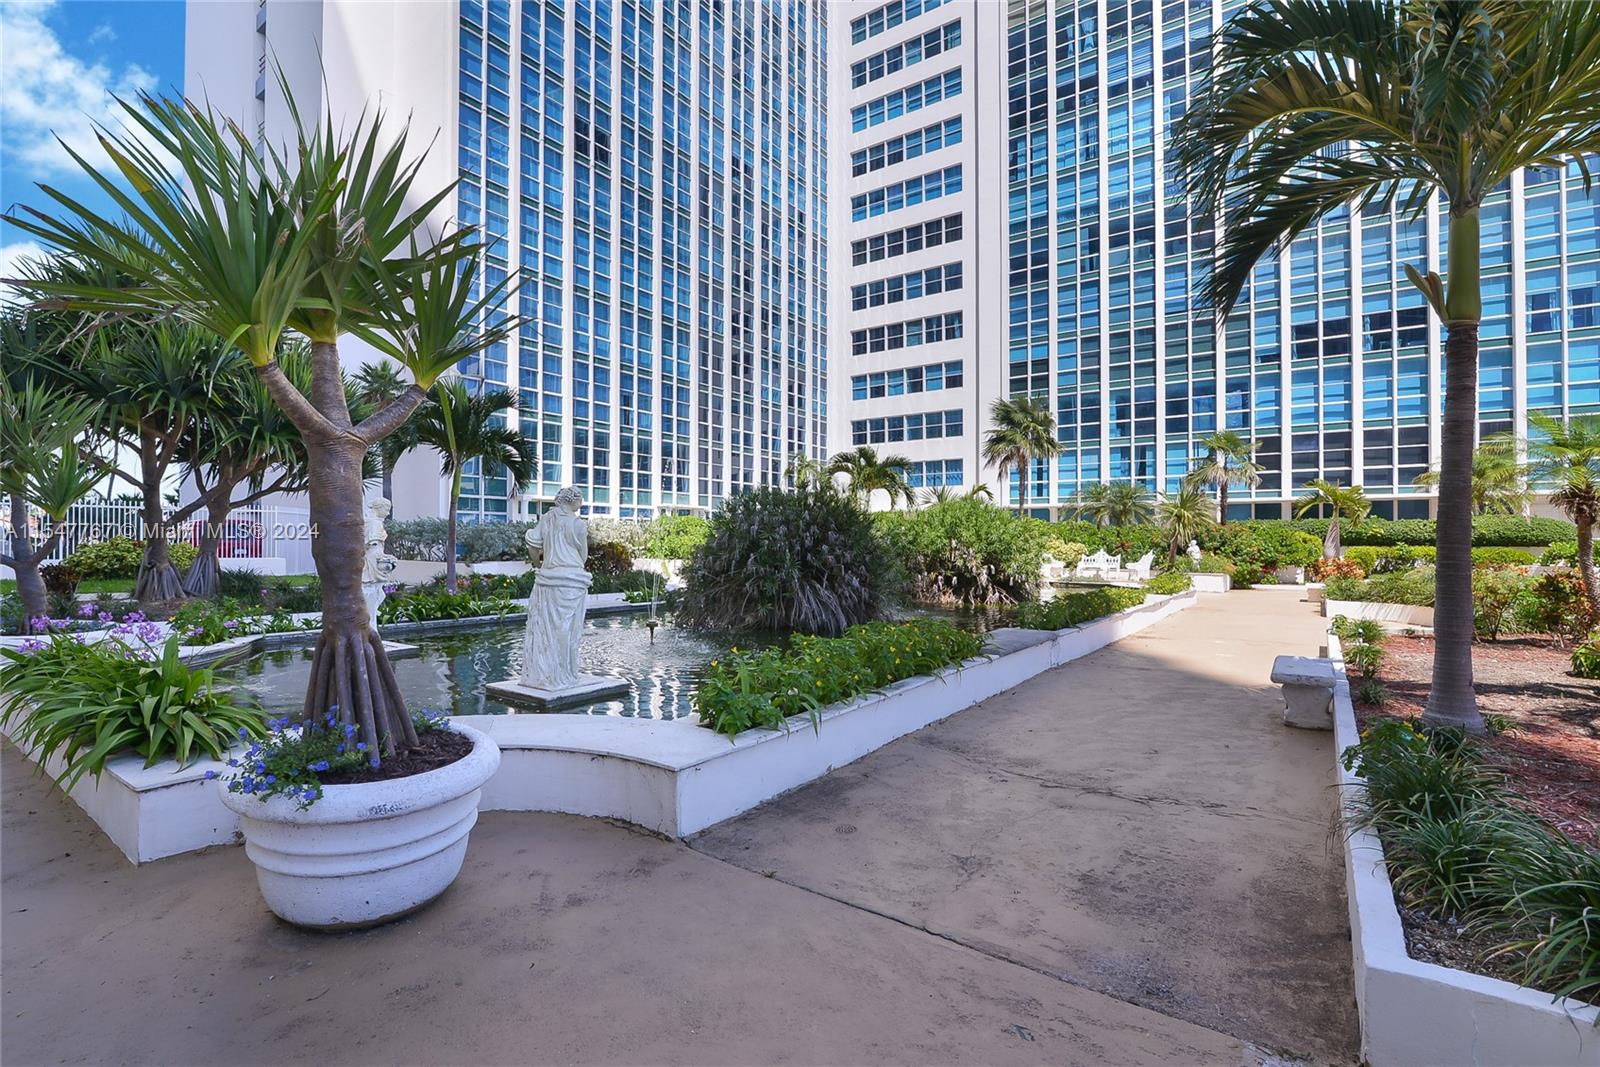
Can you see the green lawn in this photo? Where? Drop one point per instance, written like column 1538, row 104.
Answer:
column 125, row 585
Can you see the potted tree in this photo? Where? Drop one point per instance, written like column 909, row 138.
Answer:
column 326, row 238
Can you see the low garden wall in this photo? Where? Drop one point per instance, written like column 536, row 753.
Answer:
column 1401, row 614
column 672, row 777
column 1414, row 1012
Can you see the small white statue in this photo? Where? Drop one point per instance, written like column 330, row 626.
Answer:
column 1193, row 550
column 378, row 565
column 559, row 544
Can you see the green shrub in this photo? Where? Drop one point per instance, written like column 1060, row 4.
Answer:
column 805, row 560
column 1211, row 563
column 1167, row 584
column 1372, row 693
column 1557, row 605
column 1323, row 569
column 426, row 606
column 1129, row 542
column 1347, row 629
column 633, row 536
column 1486, row 530
column 1501, row 557
column 609, row 559
column 967, row 551
column 1520, row 532
column 1414, row 586
column 1495, row 591
column 1586, row 658
column 491, row 541
column 630, row 581
column 85, row 703
column 746, row 690
column 291, row 759
column 119, row 557
column 272, row 592
column 1564, row 552
column 417, row 538
column 677, row 536
column 1067, row 553
column 1246, row 576
column 1075, row 609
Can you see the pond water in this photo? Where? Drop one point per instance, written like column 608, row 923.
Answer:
column 453, row 668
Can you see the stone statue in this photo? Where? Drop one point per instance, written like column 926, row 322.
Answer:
column 1193, row 550
column 379, row 565
column 559, row 544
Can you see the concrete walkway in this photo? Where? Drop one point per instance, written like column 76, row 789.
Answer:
column 1124, row 861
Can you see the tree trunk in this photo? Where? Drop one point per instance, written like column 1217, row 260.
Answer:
column 1022, row 486
column 1222, row 504
column 24, row 562
column 351, row 677
column 158, row 579
column 450, row 533
column 1586, row 568
column 204, row 574
column 1451, row 700
column 388, row 481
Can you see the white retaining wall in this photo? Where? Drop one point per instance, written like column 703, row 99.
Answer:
column 1416, row 1013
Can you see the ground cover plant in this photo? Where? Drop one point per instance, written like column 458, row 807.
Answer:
column 805, row 560
column 1167, row 584
column 86, row 702
column 763, row 688
column 293, row 762
column 425, row 605
column 1074, row 609
column 1459, row 847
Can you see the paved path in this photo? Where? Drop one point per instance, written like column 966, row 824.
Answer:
column 1124, row 861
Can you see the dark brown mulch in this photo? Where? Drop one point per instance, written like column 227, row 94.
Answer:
column 1551, row 754
column 435, row 749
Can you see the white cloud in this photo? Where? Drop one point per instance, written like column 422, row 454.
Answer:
column 49, row 92
column 102, row 34
column 11, row 260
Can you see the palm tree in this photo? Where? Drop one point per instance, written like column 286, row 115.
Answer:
column 1341, row 502
column 1023, row 430
column 1183, row 516
column 1317, row 105
column 1227, row 463
column 463, row 428
column 377, row 385
column 1499, row 486
column 1114, row 504
column 804, row 471
column 943, row 494
column 46, row 467
column 328, row 239
column 869, row 472
column 1567, row 455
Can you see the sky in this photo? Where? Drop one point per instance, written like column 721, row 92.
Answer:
column 61, row 61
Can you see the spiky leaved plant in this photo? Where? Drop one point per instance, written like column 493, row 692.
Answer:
column 326, row 238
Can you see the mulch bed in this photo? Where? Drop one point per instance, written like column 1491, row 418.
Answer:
column 1551, row 753
column 435, row 749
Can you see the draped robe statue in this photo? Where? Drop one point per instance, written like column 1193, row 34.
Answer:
column 560, row 545
column 378, row 565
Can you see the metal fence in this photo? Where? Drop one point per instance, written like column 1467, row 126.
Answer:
column 250, row 533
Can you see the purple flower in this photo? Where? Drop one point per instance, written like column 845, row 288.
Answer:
column 231, row 624
column 134, row 616
column 85, row 611
column 104, row 616
column 210, row 775
column 32, row 644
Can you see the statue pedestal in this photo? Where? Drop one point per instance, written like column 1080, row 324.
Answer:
column 591, row 689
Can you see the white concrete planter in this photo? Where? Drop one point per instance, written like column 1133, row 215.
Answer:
column 1314, row 592
column 1210, row 583
column 366, row 853
column 1416, row 1013
column 677, row 778
column 502, row 566
column 1291, row 575
column 1401, row 614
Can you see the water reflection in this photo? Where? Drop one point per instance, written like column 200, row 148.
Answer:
column 453, row 670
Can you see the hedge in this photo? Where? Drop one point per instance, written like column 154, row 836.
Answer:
column 1075, row 609
column 119, row 557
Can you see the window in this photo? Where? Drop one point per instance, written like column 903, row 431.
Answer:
column 907, row 146
column 910, row 286
column 918, row 426
column 887, row 338
column 906, row 54
column 933, row 473
column 903, row 381
column 930, row 234
column 905, row 101
column 888, row 17
column 912, row 191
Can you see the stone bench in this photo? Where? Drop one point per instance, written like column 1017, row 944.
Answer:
column 1307, row 691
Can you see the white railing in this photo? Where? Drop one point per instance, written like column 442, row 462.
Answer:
column 248, row 533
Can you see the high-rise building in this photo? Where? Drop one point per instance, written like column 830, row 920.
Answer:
column 1011, row 224
column 657, row 172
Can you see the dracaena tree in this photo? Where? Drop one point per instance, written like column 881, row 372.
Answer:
column 325, row 238
column 1314, row 105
